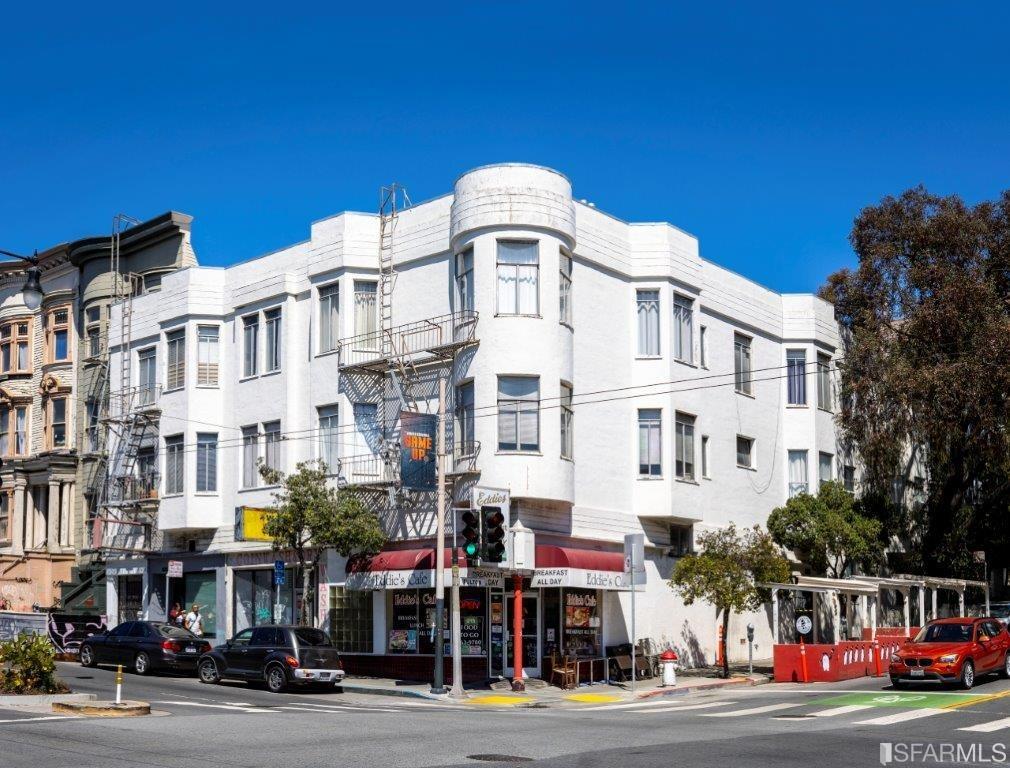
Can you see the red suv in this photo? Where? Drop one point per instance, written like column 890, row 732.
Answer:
column 954, row 650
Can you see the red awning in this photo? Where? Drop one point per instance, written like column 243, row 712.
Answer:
column 548, row 556
column 402, row 560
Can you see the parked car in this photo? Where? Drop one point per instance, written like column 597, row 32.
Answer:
column 1000, row 612
column 955, row 650
column 144, row 646
column 278, row 655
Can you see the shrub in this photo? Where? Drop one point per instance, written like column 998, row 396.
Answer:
column 28, row 665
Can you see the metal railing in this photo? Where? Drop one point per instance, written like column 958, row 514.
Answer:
column 464, row 456
column 134, row 488
column 142, row 398
column 368, row 469
column 429, row 336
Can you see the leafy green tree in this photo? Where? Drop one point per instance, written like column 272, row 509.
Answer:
column 310, row 516
column 727, row 571
column 926, row 324
column 827, row 531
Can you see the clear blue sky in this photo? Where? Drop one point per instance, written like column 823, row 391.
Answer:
column 761, row 128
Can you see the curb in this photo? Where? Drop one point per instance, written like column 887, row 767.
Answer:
column 733, row 681
column 402, row 692
column 103, row 708
column 43, row 699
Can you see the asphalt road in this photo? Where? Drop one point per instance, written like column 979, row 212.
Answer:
column 773, row 725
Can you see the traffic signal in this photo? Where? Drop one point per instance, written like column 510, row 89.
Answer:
column 471, row 536
column 494, row 534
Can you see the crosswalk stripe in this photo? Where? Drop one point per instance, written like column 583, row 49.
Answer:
column 995, row 725
column 709, row 705
column 35, row 719
column 754, row 710
column 901, row 717
column 230, row 707
column 830, row 712
column 336, row 710
column 629, row 705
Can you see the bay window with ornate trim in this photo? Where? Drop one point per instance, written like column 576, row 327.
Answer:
column 56, row 410
column 58, row 334
column 14, row 427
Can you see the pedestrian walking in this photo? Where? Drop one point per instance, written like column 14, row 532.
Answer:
column 176, row 615
column 194, row 621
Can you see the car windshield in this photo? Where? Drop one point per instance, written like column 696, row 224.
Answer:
column 309, row 636
column 170, row 630
column 944, row 633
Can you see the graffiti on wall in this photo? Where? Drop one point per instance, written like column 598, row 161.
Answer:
column 14, row 624
column 67, row 630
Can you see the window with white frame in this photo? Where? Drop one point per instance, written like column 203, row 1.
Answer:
column 175, row 371
column 5, row 517
column 464, row 279
column 705, row 456
column 703, row 346
column 650, row 442
column 565, row 290
column 56, row 422
column 518, row 413
column 206, row 462
column 207, row 350
column 329, row 314
column 329, row 433
column 824, row 382
column 272, row 323
column 518, row 278
column 648, row 322
column 567, row 422
column 798, row 473
column 92, row 436
column 272, row 444
column 58, row 334
column 5, row 431
column 465, row 428
column 93, row 330
column 683, row 329
column 250, row 345
column 825, row 467
column 175, row 465
column 20, row 430
column 147, row 375
column 796, row 376
column 684, row 448
column 365, row 313
column 745, row 452
column 250, row 453
column 742, row 364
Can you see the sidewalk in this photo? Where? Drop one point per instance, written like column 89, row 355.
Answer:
column 538, row 694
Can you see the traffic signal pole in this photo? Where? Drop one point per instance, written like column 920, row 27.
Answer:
column 438, row 685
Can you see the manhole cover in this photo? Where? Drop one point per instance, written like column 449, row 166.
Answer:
column 500, row 758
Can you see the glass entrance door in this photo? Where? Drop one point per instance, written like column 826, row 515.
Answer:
column 531, row 634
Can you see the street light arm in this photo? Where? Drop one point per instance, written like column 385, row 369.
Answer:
column 33, row 260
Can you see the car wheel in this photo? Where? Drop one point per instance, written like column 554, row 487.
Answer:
column 142, row 663
column 1005, row 672
column 967, row 675
column 208, row 673
column 276, row 681
column 87, row 656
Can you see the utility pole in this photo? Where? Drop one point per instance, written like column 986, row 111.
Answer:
column 439, row 683
column 457, row 646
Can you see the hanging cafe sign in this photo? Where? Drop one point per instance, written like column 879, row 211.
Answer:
column 423, row 579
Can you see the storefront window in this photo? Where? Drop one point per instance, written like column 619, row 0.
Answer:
column 201, row 588
column 351, row 620
column 410, row 625
column 473, row 617
column 256, row 596
column 403, row 626
column 582, row 625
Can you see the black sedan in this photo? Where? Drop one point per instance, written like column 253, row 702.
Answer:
column 144, row 646
column 277, row 655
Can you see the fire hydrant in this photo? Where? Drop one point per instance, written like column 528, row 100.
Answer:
column 668, row 659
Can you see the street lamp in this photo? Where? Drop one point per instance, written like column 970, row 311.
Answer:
column 31, row 291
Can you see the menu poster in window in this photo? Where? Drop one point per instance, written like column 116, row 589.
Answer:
column 402, row 640
column 580, row 610
column 403, row 626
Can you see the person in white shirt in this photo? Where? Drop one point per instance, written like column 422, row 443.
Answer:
column 194, row 621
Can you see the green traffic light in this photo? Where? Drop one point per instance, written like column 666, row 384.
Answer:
column 470, row 549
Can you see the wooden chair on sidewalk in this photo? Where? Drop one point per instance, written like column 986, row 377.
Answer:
column 564, row 667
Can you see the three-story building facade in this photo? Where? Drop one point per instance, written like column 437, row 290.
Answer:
column 602, row 376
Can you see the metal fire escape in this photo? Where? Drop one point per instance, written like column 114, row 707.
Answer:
column 124, row 501
column 402, row 361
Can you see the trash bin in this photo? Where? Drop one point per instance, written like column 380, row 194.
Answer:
column 668, row 660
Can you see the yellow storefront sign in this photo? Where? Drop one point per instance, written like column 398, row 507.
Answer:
column 250, row 524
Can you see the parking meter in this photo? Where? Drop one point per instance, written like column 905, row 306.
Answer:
column 750, row 647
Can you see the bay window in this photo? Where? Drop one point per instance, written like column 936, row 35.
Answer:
column 648, row 323
column 518, row 278
column 650, row 442
column 518, row 413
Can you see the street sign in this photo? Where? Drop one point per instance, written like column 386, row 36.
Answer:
column 634, row 558
column 804, row 624
column 175, row 569
column 279, row 577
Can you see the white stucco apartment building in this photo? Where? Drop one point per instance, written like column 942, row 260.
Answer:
column 606, row 375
